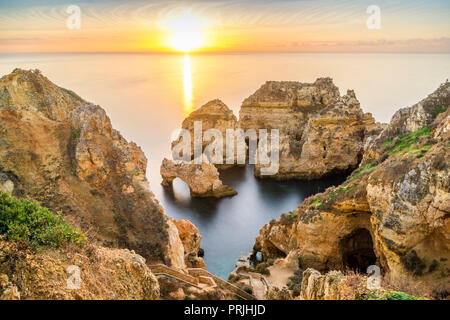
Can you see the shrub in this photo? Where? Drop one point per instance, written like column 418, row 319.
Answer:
column 317, row 203
column 28, row 222
column 397, row 295
column 295, row 282
column 75, row 134
column 248, row 289
column 263, row 268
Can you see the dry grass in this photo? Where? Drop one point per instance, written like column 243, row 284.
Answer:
column 356, row 287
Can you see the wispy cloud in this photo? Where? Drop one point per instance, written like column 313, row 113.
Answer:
column 341, row 23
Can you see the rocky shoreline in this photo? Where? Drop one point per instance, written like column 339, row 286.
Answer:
column 392, row 211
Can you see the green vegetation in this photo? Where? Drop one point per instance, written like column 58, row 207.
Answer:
column 397, row 295
column 75, row 134
column 388, row 144
column 291, row 214
column 287, row 218
column 348, row 188
column 438, row 110
column 419, row 152
column 389, row 295
column 248, row 288
column 364, row 169
column 331, row 194
column 407, row 141
column 28, row 222
column 295, row 282
column 317, row 203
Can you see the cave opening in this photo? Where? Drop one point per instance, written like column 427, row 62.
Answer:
column 357, row 251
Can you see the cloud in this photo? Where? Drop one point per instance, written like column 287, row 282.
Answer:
column 441, row 44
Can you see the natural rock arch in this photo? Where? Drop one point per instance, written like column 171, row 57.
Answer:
column 203, row 179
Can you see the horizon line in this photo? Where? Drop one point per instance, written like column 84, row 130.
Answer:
column 225, row 52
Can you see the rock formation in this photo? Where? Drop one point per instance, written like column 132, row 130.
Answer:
column 61, row 150
column 105, row 273
column 392, row 211
column 191, row 239
column 203, row 179
column 321, row 133
column 213, row 115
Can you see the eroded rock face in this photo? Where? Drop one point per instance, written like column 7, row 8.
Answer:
column 61, row 150
column 189, row 235
column 392, row 211
column 105, row 274
column 191, row 239
column 321, row 287
column 321, row 133
column 203, row 179
column 213, row 115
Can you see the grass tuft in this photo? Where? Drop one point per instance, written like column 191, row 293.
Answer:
column 406, row 141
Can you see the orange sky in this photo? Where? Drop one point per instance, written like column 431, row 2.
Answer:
column 228, row 26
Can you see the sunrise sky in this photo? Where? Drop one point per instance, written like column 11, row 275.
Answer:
column 225, row 26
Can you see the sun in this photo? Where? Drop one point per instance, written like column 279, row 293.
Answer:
column 186, row 32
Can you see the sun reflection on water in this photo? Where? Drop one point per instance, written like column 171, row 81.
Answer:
column 187, row 79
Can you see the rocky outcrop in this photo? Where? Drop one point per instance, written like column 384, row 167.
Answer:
column 203, row 179
column 321, row 287
column 321, row 133
column 392, row 211
column 213, row 115
column 61, row 150
column 191, row 239
column 104, row 274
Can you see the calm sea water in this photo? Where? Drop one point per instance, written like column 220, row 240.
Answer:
column 147, row 96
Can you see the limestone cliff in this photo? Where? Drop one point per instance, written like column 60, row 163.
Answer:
column 321, row 133
column 392, row 211
column 213, row 115
column 104, row 273
column 61, row 150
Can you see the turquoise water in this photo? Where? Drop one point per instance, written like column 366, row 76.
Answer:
column 147, row 96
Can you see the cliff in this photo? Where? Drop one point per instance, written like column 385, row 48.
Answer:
column 393, row 210
column 61, row 150
column 105, row 274
column 321, row 133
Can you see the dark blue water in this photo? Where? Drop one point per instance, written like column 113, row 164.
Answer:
column 229, row 226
